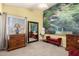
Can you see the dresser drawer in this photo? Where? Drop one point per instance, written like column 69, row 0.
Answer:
column 16, row 41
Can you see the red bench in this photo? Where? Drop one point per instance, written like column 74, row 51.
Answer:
column 56, row 41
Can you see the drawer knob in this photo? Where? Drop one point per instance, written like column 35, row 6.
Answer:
column 77, row 41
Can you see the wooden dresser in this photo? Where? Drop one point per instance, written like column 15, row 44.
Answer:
column 16, row 41
column 72, row 42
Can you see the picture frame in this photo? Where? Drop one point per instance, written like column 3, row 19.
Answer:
column 15, row 25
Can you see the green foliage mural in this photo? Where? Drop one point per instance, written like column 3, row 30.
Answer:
column 62, row 17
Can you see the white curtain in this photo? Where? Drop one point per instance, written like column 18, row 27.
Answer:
column 2, row 31
column 1, row 44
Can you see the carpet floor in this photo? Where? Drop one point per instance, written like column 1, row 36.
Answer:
column 39, row 48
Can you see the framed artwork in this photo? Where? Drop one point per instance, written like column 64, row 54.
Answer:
column 16, row 25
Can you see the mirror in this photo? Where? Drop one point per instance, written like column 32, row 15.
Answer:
column 32, row 31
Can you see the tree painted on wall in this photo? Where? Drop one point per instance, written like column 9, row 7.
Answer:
column 64, row 16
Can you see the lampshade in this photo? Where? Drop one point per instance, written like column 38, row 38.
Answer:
column 43, row 31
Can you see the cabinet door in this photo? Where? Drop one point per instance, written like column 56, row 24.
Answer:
column 70, row 42
column 12, row 44
column 77, row 43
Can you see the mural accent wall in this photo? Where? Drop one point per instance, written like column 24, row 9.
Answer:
column 62, row 17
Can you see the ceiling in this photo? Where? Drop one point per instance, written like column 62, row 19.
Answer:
column 31, row 5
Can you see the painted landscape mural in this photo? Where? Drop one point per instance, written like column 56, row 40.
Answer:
column 62, row 17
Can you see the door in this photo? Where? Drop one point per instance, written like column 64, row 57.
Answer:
column 32, row 31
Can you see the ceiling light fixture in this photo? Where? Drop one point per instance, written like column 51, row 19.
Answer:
column 43, row 6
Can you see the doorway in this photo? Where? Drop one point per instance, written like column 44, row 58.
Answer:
column 33, row 31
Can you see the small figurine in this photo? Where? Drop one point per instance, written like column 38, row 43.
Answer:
column 17, row 28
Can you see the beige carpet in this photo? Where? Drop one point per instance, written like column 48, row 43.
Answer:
column 37, row 49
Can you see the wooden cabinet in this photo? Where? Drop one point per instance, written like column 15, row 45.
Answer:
column 16, row 41
column 72, row 42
